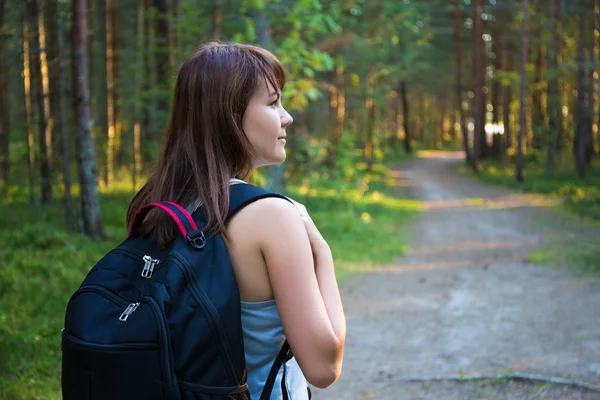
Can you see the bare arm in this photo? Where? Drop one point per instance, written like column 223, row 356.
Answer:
column 301, row 272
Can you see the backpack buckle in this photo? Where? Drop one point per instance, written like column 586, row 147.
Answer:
column 196, row 239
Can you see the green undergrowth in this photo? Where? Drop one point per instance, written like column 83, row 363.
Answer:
column 580, row 196
column 43, row 264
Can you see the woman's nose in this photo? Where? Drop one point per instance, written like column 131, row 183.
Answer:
column 286, row 119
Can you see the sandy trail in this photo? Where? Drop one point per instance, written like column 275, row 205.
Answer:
column 465, row 300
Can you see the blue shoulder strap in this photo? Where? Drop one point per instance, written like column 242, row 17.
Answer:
column 242, row 194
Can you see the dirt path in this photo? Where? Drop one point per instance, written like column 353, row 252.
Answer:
column 464, row 300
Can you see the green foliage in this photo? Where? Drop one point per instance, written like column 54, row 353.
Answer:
column 581, row 196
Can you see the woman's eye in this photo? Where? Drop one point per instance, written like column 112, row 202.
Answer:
column 273, row 104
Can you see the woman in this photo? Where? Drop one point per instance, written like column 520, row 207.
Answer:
column 227, row 120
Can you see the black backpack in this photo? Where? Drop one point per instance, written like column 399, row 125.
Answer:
column 151, row 324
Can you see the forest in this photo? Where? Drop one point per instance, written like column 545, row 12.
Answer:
column 85, row 92
column 85, row 86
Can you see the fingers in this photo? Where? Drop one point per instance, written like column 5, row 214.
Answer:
column 300, row 208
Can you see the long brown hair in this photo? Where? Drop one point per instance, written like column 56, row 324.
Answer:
column 205, row 145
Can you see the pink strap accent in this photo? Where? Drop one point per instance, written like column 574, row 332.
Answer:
column 142, row 211
column 184, row 211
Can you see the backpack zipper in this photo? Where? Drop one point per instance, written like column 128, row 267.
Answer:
column 100, row 346
column 211, row 313
column 128, row 311
column 162, row 328
column 149, row 262
column 164, row 338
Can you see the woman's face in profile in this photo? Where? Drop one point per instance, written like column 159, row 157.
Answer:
column 264, row 124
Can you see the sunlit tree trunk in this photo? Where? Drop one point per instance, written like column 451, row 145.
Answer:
column 53, row 61
column 459, row 82
column 100, row 81
column 27, row 83
column 396, row 121
column 217, row 19
column 62, row 118
column 590, row 95
column 506, row 101
column 337, row 112
column 522, row 125
column 554, row 109
column 4, row 109
column 137, row 134
column 580, row 130
column 479, row 142
column 496, row 138
column 37, row 52
column 45, row 76
column 370, row 122
column 86, row 160
column 538, row 119
column 110, row 92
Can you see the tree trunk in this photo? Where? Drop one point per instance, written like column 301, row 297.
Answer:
column 407, row 143
column 580, row 130
column 507, row 100
column 459, row 83
column 337, row 102
column 4, row 109
column 522, row 125
column 217, row 19
column 149, row 78
column 538, row 120
column 162, row 54
column 46, row 92
column 554, row 109
column 263, row 39
column 137, row 134
column 589, row 143
column 174, row 11
column 86, row 160
column 100, row 80
column 110, row 93
column 479, row 141
column 368, row 149
column 53, row 61
column 62, row 119
column 37, row 51
column 496, row 138
column 395, row 122
column 27, row 83
column 597, row 64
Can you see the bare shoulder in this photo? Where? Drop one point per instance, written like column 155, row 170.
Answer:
column 269, row 211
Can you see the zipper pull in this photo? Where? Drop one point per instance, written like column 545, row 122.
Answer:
column 149, row 265
column 128, row 311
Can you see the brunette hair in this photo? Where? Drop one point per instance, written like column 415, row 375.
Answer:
column 205, row 145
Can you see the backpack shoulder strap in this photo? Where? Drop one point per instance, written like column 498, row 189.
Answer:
column 242, row 194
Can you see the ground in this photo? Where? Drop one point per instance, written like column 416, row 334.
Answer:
column 466, row 300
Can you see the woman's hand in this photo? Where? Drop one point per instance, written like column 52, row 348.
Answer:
column 316, row 239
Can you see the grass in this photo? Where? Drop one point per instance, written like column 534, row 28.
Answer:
column 44, row 264
column 579, row 197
